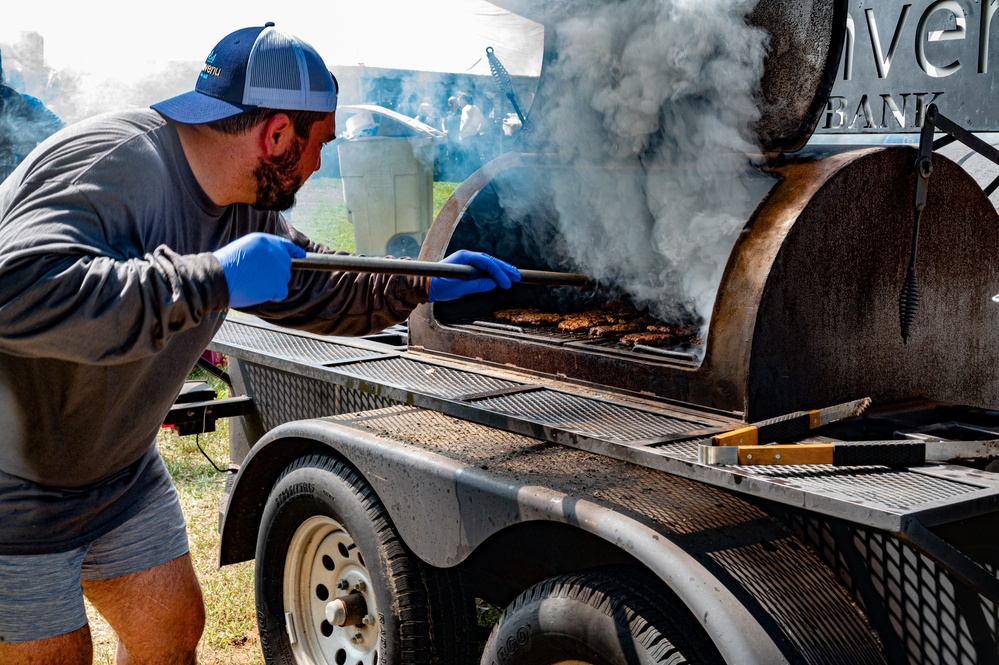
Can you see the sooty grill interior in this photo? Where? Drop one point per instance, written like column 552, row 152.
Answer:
column 513, row 217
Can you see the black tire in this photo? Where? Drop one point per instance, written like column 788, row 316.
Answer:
column 323, row 526
column 606, row 617
column 454, row 631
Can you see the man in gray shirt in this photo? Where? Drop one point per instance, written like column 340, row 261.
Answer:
column 124, row 239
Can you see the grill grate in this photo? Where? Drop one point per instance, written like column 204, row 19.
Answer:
column 292, row 347
column 881, row 486
column 591, row 417
column 425, row 377
column 581, row 339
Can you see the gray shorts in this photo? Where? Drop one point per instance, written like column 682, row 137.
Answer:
column 41, row 595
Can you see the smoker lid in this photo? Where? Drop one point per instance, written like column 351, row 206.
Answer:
column 806, row 42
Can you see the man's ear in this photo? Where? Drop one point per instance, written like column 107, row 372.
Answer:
column 276, row 134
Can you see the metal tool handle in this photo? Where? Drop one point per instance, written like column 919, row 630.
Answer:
column 372, row 264
column 883, row 453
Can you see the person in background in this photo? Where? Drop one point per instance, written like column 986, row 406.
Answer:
column 124, row 240
column 24, row 123
column 451, row 126
column 472, row 124
column 426, row 114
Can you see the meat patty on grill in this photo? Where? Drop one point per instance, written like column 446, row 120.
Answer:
column 531, row 317
column 615, row 330
column 586, row 320
column 648, row 339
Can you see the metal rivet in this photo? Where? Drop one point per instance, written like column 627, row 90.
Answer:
column 777, row 456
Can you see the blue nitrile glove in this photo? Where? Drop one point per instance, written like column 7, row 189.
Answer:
column 257, row 268
column 499, row 273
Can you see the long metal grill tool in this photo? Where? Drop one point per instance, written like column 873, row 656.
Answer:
column 789, row 426
column 892, row 453
column 502, row 79
column 908, row 299
column 371, row 264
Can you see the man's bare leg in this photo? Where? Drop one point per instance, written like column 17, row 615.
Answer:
column 70, row 649
column 158, row 614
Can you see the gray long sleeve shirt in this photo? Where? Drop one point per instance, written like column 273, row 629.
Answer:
column 108, row 295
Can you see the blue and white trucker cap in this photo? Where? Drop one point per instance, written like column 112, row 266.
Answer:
column 252, row 68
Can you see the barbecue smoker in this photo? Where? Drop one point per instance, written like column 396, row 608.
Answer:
column 805, row 312
column 608, row 498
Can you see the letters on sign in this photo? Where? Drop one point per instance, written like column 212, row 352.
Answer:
column 900, row 57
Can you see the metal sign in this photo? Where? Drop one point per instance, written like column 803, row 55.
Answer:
column 900, row 57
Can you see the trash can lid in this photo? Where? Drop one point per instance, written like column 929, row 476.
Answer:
column 374, row 120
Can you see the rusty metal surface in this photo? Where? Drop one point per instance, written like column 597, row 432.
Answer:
column 826, row 328
column 898, row 501
column 806, row 41
column 861, row 496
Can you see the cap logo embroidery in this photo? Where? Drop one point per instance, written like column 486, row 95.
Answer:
column 209, row 68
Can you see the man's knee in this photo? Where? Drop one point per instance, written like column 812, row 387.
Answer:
column 75, row 648
column 156, row 611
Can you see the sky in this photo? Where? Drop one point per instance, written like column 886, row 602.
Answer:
column 123, row 40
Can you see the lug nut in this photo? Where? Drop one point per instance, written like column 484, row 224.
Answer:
column 357, row 638
column 368, row 620
column 359, row 585
column 343, row 585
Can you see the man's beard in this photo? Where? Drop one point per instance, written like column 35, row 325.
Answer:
column 278, row 179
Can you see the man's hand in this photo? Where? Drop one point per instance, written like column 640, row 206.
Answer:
column 257, row 268
column 498, row 273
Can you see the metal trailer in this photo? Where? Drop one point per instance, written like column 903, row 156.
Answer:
column 515, row 488
column 385, row 483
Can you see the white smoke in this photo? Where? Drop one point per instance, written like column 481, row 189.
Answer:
column 672, row 85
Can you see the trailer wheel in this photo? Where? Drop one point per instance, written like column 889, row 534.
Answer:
column 454, row 629
column 607, row 617
column 334, row 583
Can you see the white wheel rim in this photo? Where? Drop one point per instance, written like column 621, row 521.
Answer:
column 323, row 562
